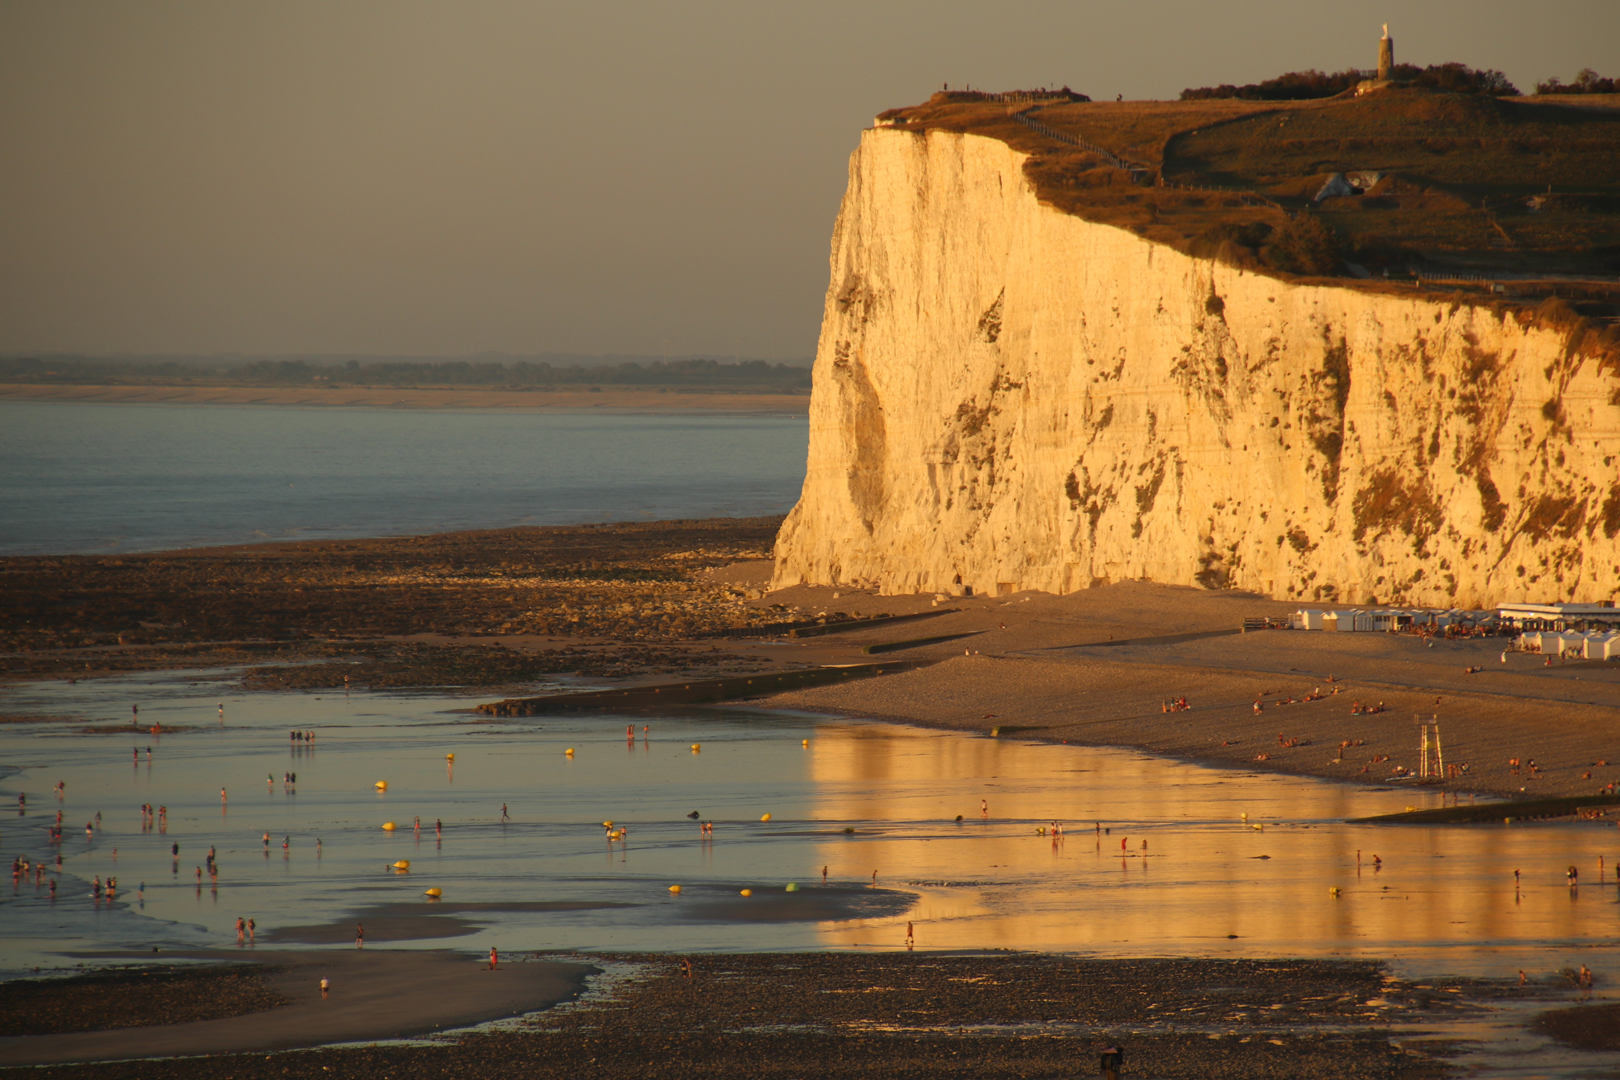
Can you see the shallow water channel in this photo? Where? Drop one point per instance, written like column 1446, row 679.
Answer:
column 1177, row 868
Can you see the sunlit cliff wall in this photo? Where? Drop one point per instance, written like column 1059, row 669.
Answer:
column 1009, row 397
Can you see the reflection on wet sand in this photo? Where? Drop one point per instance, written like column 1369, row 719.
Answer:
column 1155, row 857
column 1152, row 856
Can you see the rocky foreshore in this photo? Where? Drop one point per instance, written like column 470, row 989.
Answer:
column 593, row 600
column 905, row 1015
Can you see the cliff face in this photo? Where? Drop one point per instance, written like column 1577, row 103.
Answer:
column 1009, row 397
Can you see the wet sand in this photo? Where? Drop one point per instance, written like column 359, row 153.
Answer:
column 414, row 922
column 384, row 397
column 812, row 903
column 377, row 994
column 134, row 997
column 712, row 903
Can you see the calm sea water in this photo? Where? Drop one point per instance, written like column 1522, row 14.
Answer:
column 84, row 478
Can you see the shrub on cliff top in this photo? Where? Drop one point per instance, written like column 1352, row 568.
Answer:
column 1303, row 246
column 1307, row 85
column 1290, row 86
column 1586, row 81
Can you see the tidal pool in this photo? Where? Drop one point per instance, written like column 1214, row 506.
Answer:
column 1157, row 856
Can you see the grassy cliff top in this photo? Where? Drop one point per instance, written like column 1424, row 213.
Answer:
column 1456, row 185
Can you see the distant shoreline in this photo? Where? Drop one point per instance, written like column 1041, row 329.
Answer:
column 385, row 397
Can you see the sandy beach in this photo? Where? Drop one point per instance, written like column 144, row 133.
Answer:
column 1097, row 667
column 375, row 994
column 389, row 397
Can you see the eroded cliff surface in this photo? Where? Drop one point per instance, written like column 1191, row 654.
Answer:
column 1010, row 397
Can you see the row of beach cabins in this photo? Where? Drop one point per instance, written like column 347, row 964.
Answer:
column 1588, row 631
column 1393, row 620
column 1592, row 645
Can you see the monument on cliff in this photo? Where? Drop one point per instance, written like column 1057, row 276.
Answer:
column 1386, row 56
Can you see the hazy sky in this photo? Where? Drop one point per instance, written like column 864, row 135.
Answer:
column 661, row 178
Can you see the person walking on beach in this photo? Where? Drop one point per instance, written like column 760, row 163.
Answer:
column 911, row 935
column 359, row 935
column 241, row 928
column 984, row 809
column 438, row 827
column 251, row 926
column 505, row 817
column 824, row 875
column 494, row 958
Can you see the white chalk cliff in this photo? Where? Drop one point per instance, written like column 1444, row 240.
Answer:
column 1010, row 397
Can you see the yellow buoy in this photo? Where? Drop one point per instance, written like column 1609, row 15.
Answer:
column 389, row 826
column 435, row 893
column 569, row 752
column 615, row 835
column 676, row 889
column 696, row 747
column 748, row 892
column 449, row 757
column 381, row 785
column 793, row 886
column 607, row 824
column 403, row 864
column 804, row 742
column 1333, row 891
column 765, row 817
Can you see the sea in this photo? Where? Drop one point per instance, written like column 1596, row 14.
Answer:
column 89, row 478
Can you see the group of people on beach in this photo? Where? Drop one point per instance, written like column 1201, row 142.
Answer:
column 22, row 869
column 157, row 817
column 246, row 928
column 1174, row 705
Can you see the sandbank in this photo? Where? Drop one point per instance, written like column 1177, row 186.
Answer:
column 377, row 994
